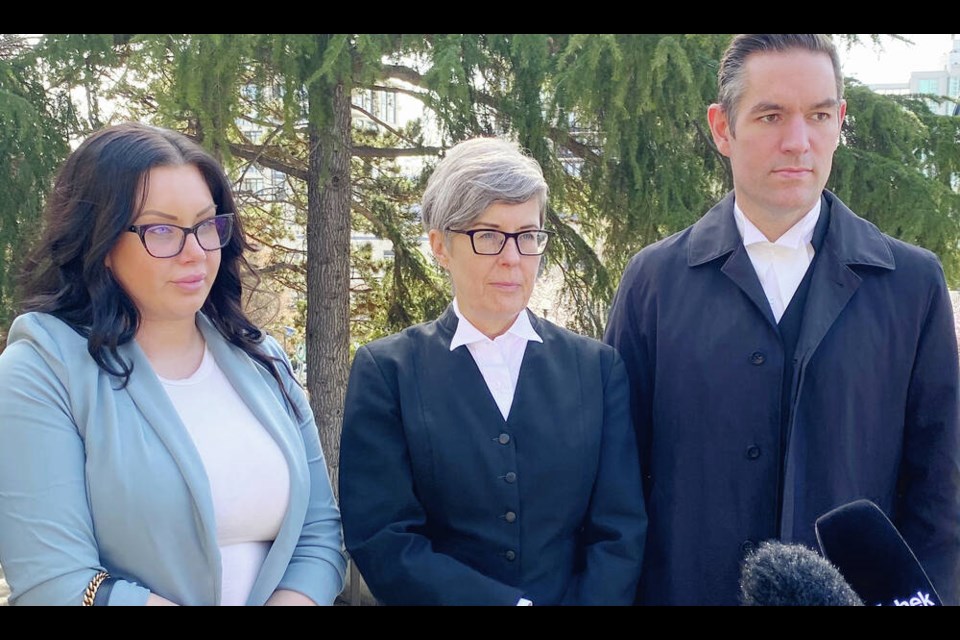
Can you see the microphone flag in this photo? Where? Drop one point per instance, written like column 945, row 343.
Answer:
column 861, row 541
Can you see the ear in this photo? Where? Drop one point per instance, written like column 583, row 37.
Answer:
column 719, row 127
column 107, row 262
column 841, row 115
column 439, row 247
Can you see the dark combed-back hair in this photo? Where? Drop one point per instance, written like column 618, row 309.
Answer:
column 731, row 82
column 97, row 194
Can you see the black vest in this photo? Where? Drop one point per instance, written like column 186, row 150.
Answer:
column 790, row 323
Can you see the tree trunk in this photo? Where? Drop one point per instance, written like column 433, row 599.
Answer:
column 328, row 265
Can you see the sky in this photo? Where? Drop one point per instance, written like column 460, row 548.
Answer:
column 896, row 60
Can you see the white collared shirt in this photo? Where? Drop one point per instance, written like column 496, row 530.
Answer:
column 498, row 359
column 780, row 265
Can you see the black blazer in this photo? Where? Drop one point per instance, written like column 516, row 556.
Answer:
column 445, row 502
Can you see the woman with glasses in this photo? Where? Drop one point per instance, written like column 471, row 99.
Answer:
column 487, row 457
column 154, row 446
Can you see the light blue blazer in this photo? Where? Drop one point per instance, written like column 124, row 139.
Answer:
column 94, row 477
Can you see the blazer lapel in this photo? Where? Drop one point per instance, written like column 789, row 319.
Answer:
column 250, row 382
column 458, row 371
column 151, row 399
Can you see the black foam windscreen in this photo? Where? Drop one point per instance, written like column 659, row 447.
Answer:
column 861, row 541
column 792, row 575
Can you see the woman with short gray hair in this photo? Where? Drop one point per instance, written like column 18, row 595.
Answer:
column 475, row 174
column 488, row 457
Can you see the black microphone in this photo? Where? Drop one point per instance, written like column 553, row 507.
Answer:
column 873, row 557
column 792, row 575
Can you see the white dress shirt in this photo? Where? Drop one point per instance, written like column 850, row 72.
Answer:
column 498, row 359
column 780, row 265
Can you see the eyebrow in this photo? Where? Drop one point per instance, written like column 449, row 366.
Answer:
column 170, row 216
column 760, row 107
column 496, row 227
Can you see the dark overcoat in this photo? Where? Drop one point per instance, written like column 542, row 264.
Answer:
column 874, row 401
column 445, row 502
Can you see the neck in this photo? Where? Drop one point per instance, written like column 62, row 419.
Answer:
column 174, row 348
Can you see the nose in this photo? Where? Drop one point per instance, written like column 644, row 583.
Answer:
column 192, row 249
column 796, row 136
column 510, row 254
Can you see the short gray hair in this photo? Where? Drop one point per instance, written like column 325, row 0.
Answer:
column 730, row 78
column 476, row 174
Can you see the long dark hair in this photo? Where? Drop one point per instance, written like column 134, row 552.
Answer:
column 97, row 193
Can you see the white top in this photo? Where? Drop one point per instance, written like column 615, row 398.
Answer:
column 249, row 478
column 780, row 265
column 498, row 359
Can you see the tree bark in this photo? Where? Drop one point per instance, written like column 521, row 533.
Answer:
column 328, row 266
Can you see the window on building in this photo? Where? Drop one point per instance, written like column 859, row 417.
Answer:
column 365, row 100
column 252, row 184
column 929, row 85
column 388, row 106
column 954, row 89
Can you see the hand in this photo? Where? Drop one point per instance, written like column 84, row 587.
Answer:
column 153, row 600
column 288, row 598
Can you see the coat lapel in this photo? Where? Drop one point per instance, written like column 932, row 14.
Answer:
column 850, row 240
column 716, row 235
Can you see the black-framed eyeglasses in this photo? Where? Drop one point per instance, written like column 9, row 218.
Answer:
column 490, row 242
column 162, row 240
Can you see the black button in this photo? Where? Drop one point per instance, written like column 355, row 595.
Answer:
column 748, row 546
column 757, row 358
column 511, row 477
column 753, row 452
column 510, row 516
column 510, row 555
column 504, row 438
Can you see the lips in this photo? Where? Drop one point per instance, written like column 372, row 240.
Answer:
column 791, row 172
column 191, row 283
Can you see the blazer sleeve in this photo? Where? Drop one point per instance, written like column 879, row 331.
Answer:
column 385, row 525
column 614, row 530
column 47, row 546
column 928, row 511
column 318, row 566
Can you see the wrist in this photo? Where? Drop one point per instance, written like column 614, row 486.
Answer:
column 93, row 589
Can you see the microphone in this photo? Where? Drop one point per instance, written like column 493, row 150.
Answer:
column 792, row 575
column 873, row 557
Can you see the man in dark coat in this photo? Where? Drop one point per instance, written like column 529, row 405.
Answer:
column 785, row 356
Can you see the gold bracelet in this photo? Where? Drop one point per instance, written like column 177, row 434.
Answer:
column 90, row 593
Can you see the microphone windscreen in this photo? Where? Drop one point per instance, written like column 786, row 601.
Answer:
column 873, row 557
column 792, row 575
